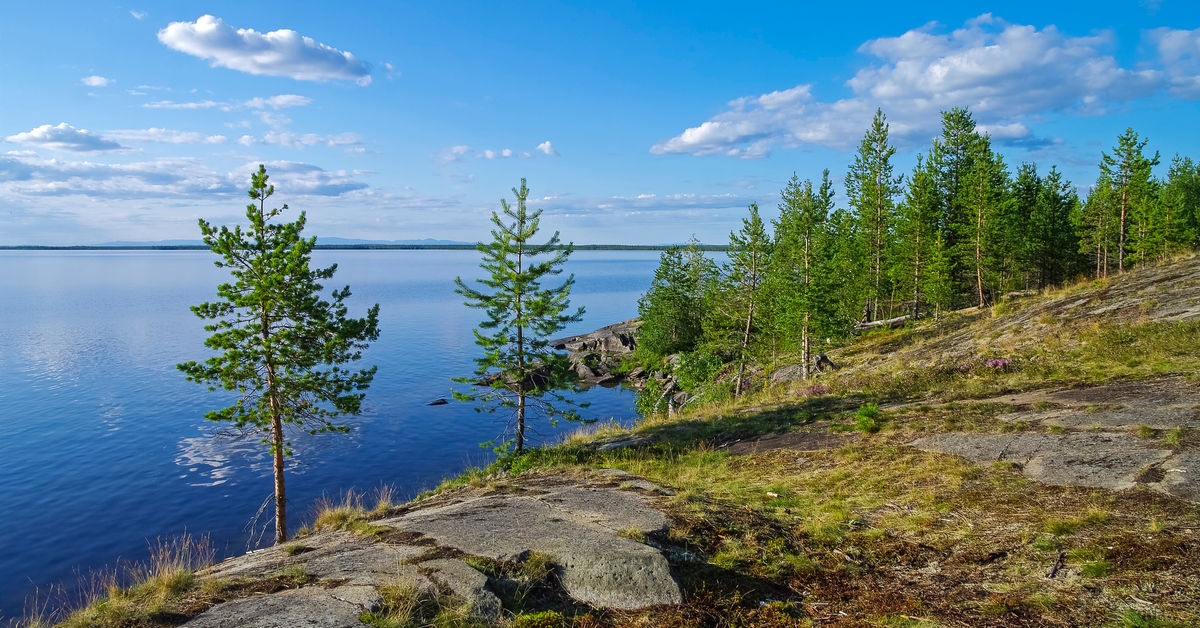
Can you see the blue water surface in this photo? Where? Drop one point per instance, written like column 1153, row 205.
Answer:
column 104, row 445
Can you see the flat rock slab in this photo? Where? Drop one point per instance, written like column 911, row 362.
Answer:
column 576, row 526
column 333, row 555
column 1161, row 403
column 313, row 607
column 1102, row 460
column 799, row 441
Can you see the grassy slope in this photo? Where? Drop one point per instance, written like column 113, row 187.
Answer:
column 864, row 530
column 891, row 536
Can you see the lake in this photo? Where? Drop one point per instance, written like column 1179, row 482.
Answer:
column 105, row 444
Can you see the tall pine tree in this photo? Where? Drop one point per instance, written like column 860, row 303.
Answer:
column 517, row 363
column 282, row 345
column 872, row 188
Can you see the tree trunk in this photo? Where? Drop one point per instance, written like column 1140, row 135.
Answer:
column 276, row 444
column 1121, row 245
column 737, row 387
column 804, row 352
column 979, row 245
column 522, row 376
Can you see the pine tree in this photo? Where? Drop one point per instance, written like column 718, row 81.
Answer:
column 672, row 308
column 956, row 151
column 749, row 251
column 938, row 282
column 983, row 192
column 797, row 260
column 1128, row 172
column 1181, row 204
column 872, row 189
column 1053, row 238
column 916, row 224
column 1024, row 230
column 281, row 345
column 1095, row 221
column 517, row 363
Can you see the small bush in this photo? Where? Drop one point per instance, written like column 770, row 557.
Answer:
column 867, row 418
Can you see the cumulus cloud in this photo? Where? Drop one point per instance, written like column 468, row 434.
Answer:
column 293, row 177
column 279, row 101
column 303, row 140
column 170, row 104
column 31, row 175
column 1003, row 72
column 547, row 148
column 282, row 52
column 165, row 136
column 27, row 174
column 1179, row 53
column 96, row 81
column 63, row 136
column 453, row 153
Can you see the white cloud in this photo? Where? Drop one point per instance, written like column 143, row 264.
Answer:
column 454, row 153
column 26, row 174
column 96, row 81
column 170, row 104
column 282, row 52
column 303, row 140
column 1003, row 72
column 166, row 136
column 64, row 137
column 1179, row 53
column 279, row 101
column 297, row 178
column 137, row 15
column 30, row 175
column 547, row 148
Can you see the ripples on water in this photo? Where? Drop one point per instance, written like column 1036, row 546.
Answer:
column 105, row 444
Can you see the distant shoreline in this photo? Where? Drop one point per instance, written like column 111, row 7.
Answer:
column 409, row 247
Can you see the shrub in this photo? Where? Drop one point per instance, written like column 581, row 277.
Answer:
column 868, row 418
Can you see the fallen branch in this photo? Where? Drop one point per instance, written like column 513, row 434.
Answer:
column 891, row 323
column 1058, row 564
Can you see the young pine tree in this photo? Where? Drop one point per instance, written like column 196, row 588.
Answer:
column 984, row 191
column 522, row 314
column 741, row 295
column 1127, row 171
column 671, row 310
column 916, row 224
column 281, row 345
column 872, row 190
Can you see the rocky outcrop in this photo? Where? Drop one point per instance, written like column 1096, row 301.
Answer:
column 596, row 357
column 1102, row 460
column 612, row 340
column 585, row 527
column 579, row 527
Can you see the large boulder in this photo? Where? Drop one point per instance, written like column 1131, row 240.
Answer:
column 583, row 529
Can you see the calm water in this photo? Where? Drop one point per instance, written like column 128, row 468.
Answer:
column 104, row 445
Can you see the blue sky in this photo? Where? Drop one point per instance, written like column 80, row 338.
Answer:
column 633, row 124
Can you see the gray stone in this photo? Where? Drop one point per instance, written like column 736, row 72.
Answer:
column 1083, row 459
column 307, row 607
column 341, row 555
column 575, row 526
column 1181, row 476
column 466, row 582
